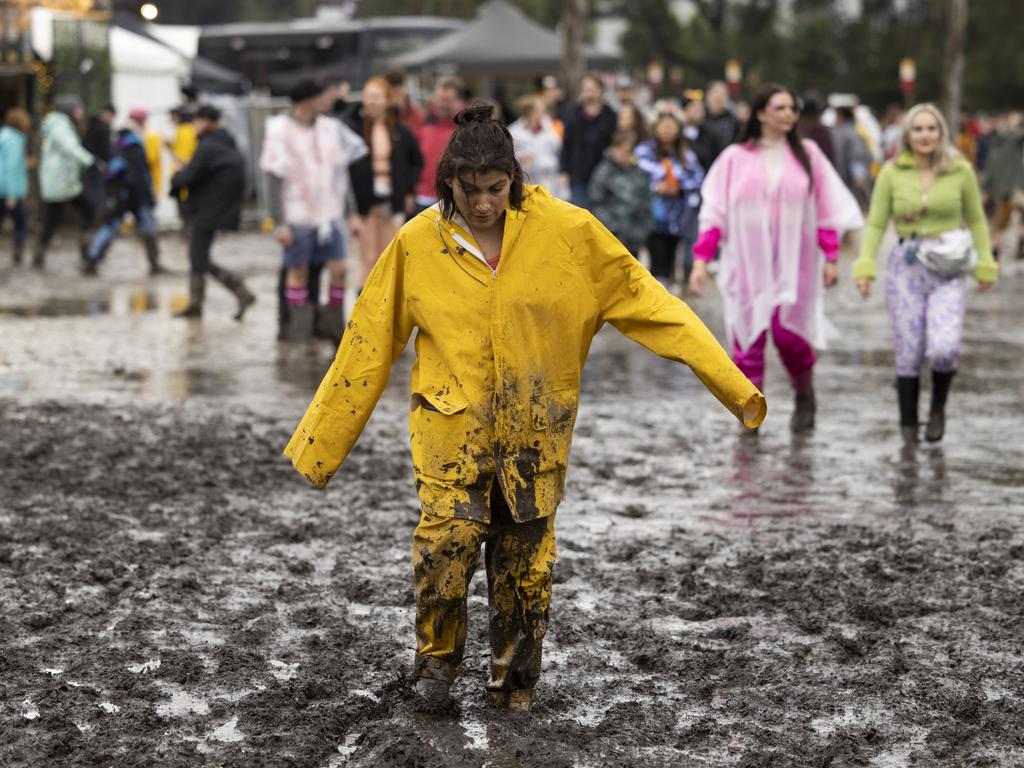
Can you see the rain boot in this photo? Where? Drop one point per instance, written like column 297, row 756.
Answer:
column 300, row 323
column 432, row 696
column 18, row 253
column 245, row 297
column 196, row 293
column 153, row 256
column 804, row 405
column 908, row 391
column 941, row 382
column 330, row 322
column 39, row 257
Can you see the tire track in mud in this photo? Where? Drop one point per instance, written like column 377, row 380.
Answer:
column 176, row 596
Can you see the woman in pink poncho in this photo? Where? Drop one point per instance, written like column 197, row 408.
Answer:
column 775, row 205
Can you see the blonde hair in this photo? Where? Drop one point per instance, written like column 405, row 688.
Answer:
column 945, row 153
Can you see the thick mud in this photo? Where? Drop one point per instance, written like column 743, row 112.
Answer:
column 175, row 595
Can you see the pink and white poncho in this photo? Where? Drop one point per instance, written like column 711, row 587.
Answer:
column 771, row 238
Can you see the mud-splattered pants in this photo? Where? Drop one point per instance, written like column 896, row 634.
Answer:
column 519, row 559
column 796, row 354
column 927, row 313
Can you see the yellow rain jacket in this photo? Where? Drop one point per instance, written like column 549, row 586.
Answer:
column 496, row 382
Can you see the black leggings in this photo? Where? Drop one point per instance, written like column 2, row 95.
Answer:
column 53, row 215
column 663, row 255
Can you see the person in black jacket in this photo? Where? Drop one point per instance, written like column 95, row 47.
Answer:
column 720, row 121
column 383, row 181
column 215, row 180
column 129, row 188
column 588, row 132
column 98, row 140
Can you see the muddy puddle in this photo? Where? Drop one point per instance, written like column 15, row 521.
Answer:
column 176, row 596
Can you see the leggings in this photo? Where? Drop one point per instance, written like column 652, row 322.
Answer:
column 53, row 215
column 17, row 214
column 663, row 255
column 797, row 355
column 927, row 313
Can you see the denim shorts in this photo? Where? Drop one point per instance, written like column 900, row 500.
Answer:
column 306, row 250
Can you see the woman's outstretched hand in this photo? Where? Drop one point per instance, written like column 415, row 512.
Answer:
column 698, row 277
column 864, row 286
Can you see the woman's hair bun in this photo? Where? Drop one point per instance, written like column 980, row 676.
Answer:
column 475, row 113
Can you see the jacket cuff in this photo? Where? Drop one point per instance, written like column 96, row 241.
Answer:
column 707, row 244
column 828, row 241
column 986, row 272
column 864, row 267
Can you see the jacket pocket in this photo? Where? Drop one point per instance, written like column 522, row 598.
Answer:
column 553, row 415
column 441, row 432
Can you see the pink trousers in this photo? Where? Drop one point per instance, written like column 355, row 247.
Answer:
column 797, row 356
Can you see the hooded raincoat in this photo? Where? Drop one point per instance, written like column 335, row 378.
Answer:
column 770, row 256
column 499, row 353
column 62, row 159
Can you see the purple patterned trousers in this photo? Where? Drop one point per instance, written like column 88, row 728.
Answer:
column 927, row 313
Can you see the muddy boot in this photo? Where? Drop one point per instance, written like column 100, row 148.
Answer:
column 300, row 323
column 196, row 293
column 908, row 392
column 804, row 405
column 243, row 294
column 330, row 322
column 432, row 696
column 18, row 253
column 517, row 701
column 941, row 382
column 153, row 256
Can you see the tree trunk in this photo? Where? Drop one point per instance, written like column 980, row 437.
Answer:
column 574, row 17
column 953, row 69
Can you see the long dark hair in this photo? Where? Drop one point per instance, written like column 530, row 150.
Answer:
column 480, row 143
column 752, row 130
column 678, row 147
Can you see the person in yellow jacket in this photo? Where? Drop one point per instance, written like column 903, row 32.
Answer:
column 153, row 145
column 182, row 146
column 506, row 287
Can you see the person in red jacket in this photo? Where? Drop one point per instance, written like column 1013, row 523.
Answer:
column 433, row 134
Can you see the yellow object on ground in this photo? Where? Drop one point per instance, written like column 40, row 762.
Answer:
column 499, row 354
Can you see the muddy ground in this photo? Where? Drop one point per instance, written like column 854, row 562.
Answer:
column 175, row 595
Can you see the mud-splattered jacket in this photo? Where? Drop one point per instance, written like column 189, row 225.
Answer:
column 499, row 353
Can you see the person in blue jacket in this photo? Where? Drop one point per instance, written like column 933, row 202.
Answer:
column 14, row 175
column 676, row 176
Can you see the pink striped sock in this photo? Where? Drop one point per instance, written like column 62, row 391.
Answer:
column 296, row 297
column 336, row 295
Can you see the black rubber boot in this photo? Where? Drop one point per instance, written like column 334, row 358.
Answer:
column 908, row 392
column 300, row 323
column 941, row 382
column 330, row 322
column 18, row 253
column 804, row 406
column 196, row 294
column 243, row 294
column 153, row 256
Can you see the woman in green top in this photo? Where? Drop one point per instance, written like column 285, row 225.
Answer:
column 927, row 190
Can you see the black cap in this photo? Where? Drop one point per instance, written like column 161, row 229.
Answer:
column 305, row 90
column 208, row 112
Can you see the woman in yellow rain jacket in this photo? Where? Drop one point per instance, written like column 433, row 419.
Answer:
column 506, row 287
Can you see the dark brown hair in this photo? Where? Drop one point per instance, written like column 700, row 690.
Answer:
column 18, row 119
column 752, row 130
column 479, row 144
